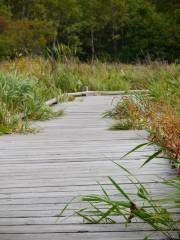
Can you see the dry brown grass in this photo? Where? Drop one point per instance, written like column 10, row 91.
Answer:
column 164, row 126
column 161, row 119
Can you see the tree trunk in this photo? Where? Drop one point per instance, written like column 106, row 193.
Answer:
column 92, row 45
column 114, row 30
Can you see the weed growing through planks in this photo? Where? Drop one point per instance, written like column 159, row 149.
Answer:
column 106, row 209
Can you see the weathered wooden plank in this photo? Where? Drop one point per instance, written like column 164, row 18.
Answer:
column 74, row 228
column 74, row 188
column 49, row 220
column 138, row 235
column 71, row 181
column 55, row 220
column 76, row 180
column 112, row 192
column 87, row 167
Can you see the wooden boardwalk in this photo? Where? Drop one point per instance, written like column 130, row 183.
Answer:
column 40, row 173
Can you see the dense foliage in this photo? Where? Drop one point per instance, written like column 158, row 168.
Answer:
column 124, row 30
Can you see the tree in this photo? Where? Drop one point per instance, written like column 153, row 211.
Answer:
column 121, row 30
column 95, row 17
column 25, row 37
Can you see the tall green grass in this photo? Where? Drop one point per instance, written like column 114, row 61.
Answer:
column 20, row 101
column 58, row 73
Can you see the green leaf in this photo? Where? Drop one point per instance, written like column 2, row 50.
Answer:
column 106, row 214
column 65, row 207
column 152, row 157
column 119, row 189
column 87, row 218
column 104, row 191
column 146, row 238
column 136, row 148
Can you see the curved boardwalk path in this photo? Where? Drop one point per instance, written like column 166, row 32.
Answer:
column 41, row 172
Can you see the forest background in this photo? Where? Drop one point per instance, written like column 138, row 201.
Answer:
column 110, row 30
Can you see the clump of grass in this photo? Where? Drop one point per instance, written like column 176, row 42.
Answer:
column 164, row 129
column 8, row 121
column 149, row 211
column 124, row 125
column 128, row 114
column 104, row 208
column 20, row 102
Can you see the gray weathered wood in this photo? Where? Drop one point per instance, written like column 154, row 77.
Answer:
column 40, row 173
